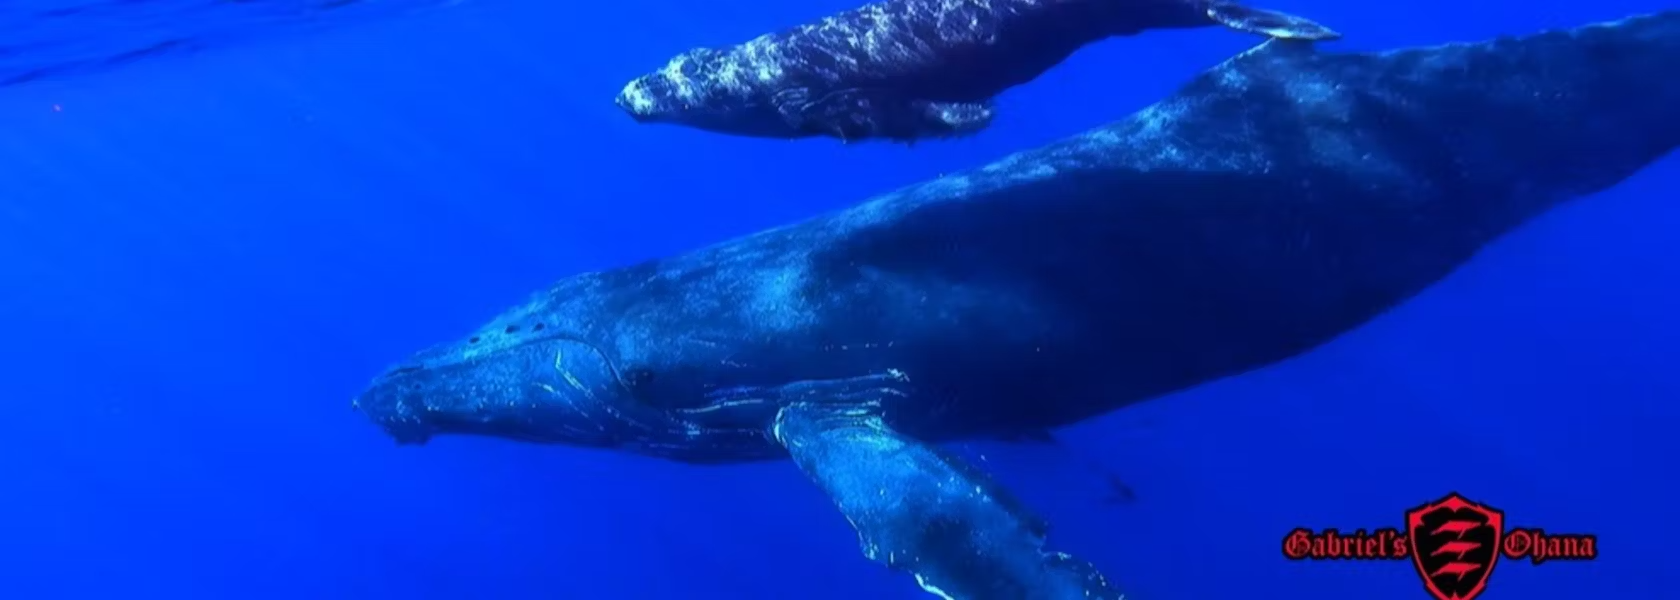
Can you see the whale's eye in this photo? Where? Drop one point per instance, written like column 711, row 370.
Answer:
column 638, row 377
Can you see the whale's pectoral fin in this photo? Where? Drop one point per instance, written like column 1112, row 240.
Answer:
column 919, row 510
column 1268, row 22
column 954, row 118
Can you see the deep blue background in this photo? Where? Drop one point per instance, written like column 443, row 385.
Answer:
column 206, row 255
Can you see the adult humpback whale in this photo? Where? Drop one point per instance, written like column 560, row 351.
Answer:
column 1273, row 203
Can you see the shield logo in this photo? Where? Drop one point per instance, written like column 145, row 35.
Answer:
column 1454, row 545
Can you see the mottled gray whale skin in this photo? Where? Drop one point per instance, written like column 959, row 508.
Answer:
column 1275, row 202
column 906, row 70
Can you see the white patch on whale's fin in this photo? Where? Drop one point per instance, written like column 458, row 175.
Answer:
column 1269, row 23
column 916, row 508
column 955, row 118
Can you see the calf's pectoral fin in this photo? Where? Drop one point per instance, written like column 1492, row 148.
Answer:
column 1268, row 22
column 917, row 509
column 955, row 118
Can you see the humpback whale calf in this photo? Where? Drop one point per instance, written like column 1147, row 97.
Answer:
column 1274, row 202
column 905, row 70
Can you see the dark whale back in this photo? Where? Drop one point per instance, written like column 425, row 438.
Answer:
column 1275, row 202
column 948, row 50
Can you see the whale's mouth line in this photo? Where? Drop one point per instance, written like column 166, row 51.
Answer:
column 626, row 407
column 606, row 359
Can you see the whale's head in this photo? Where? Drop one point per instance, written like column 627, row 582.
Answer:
column 723, row 92
column 705, row 90
column 515, row 380
column 604, row 360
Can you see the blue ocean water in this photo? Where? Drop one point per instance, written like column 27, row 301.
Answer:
column 221, row 219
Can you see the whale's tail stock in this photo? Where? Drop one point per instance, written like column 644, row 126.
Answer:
column 1519, row 123
column 1592, row 83
column 1575, row 110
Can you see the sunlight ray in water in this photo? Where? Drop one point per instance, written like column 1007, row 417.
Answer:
column 42, row 39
